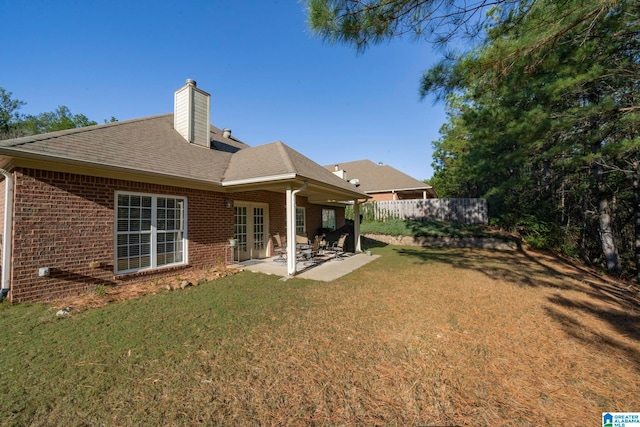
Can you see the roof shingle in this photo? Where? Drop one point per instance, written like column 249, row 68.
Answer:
column 152, row 145
column 148, row 144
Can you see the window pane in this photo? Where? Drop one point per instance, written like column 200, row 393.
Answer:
column 123, row 212
column 134, row 229
column 123, row 264
column 134, row 263
column 300, row 225
column 123, row 252
column 329, row 219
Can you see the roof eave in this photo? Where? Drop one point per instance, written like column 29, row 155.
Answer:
column 295, row 179
column 259, row 180
column 104, row 166
column 401, row 189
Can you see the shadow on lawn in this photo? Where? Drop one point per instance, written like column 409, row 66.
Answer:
column 534, row 269
column 625, row 324
column 537, row 269
column 371, row 243
column 512, row 266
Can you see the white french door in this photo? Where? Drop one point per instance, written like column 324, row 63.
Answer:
column 251, row 229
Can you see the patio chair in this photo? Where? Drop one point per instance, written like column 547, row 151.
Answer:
column 312, row 253
column 302, row 240
column 279, row 248
column 338, row 247
column 302, row 247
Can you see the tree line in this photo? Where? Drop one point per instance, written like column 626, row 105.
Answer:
column 543, row 112
column 13, row 124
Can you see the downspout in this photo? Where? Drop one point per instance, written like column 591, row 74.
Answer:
column 291, row 228
column 6, row 234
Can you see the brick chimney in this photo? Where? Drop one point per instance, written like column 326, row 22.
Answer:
column 192, row 108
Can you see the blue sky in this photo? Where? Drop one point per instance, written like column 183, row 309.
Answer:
column 269, row 77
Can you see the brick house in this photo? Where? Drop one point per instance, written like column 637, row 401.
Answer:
column 382, row 182
column 141, row 199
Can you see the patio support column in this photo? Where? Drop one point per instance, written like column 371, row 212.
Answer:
column 291, row 228
column 356, row 226
column 291, row 232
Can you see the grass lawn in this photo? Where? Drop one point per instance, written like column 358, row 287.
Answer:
column 417, row 337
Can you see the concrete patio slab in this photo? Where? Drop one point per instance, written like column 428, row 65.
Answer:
column 325, row 271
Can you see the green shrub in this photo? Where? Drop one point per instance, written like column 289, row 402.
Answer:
column 398, row 227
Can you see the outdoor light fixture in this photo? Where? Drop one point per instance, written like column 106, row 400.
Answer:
column 227, row 203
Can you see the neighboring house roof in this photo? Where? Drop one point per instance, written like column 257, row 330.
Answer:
column 377, row 178
column 150, row 145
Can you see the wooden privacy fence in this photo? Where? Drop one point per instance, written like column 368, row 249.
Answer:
column 461, row 211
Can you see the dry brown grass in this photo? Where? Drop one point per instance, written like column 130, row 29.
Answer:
column 451, row 337
column 417, row 337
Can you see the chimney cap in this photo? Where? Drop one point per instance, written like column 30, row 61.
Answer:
column 191, row 82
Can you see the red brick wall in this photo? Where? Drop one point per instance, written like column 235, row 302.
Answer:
column 65, row 221
column 340, row 219
column 403, row 195
column 314, row 216
column 381, row 197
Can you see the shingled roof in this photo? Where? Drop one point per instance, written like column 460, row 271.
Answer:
column 377, row 178
column 151, row 145
column 148, row 144
column 277, row 161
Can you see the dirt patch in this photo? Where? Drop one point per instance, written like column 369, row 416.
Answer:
column 104, row 295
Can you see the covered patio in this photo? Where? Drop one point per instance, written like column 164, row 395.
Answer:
column 285, row 171
column 325, row 270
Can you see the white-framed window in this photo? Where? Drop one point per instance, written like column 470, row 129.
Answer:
column 150, row 231
column 301, row 226
column 329, row 218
